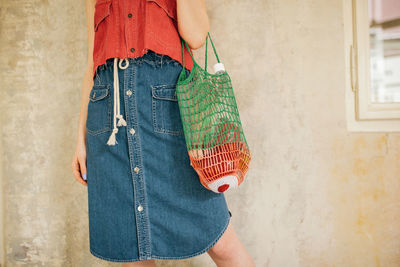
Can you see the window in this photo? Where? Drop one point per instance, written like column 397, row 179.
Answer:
column 372, row 53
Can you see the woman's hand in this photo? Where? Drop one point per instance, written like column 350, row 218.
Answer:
column 79, row 162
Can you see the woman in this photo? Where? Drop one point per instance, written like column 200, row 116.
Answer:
column 145, row 200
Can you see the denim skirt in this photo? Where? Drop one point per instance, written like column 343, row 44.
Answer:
column 145, row 199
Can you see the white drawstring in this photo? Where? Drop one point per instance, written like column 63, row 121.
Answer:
column 117, row 114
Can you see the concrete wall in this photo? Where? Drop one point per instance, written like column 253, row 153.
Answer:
column 315, row 195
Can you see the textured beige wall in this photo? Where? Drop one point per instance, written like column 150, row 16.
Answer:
column 315, row 195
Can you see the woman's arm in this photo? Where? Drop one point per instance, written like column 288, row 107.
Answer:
column 79, row 159
column 87, row 82
column 193, row 23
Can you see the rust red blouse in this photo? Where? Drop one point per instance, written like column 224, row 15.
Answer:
column 129, row 28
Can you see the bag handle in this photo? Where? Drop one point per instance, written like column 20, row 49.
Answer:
column 215, row 51
column 183, row 49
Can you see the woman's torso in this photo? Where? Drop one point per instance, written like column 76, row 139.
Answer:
column 126, row 28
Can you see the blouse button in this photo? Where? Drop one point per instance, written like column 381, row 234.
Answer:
column 136, row 169
column 130, row 15
column 129, row 92
column 132, row 49
column 140, row 208
column 132, row 131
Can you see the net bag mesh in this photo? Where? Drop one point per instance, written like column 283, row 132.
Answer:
column 215, row 141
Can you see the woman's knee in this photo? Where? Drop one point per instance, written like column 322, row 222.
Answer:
column 222, row 249
column 145, row 263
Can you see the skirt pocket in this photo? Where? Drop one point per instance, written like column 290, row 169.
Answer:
column 165, row 109
column 99, row 110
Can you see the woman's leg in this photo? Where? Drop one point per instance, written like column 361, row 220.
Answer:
column 146, row 263
column 229, row 251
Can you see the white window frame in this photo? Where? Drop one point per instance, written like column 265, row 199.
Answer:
column 362, row 115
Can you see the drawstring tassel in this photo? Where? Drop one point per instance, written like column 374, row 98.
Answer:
column 121, row 121
column 112, row 140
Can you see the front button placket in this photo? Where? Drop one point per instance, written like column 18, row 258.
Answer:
column 136, row 164
column 131, row 26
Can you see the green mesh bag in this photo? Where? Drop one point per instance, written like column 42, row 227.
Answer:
column 214, row 137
